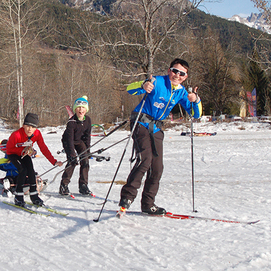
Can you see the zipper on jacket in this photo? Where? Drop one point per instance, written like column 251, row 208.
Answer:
column 167, row 104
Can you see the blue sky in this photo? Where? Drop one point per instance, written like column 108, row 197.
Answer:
column 228, row 8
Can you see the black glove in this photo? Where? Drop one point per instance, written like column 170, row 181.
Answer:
column 72, row 161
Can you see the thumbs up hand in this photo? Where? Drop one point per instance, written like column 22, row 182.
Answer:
column 148, row 84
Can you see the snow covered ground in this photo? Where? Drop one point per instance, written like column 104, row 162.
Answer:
column 232, row 181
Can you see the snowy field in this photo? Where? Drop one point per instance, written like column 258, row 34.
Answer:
column 232, row 181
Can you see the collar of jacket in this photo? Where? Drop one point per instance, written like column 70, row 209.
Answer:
column 77, row 120
column 170, row 86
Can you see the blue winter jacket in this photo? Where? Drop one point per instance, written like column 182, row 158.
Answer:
column 162, row 99
column 8, row 167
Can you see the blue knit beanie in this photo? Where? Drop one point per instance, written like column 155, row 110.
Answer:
column 81, row 102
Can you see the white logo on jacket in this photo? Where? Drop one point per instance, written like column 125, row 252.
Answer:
column 159, row 105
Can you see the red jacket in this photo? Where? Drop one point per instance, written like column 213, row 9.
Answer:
column 18, row 137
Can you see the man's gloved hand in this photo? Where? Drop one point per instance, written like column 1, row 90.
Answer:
column 72, row 161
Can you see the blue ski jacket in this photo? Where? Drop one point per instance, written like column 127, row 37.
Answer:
column 8, row 167
column 162, row 99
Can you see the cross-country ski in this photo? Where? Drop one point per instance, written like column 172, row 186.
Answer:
column 122, row 212
column 49, row 209
column 25, row 209
column 198, row 134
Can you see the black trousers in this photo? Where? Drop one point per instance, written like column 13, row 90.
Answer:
column 84, row 167
column 146, row 163
column 25, row 169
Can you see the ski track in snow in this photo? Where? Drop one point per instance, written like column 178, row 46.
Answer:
column 232, row 181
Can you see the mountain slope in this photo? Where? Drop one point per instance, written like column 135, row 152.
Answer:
column 257, row 21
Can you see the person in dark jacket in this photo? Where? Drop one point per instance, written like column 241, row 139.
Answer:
column 19, row 151
column 75, row 140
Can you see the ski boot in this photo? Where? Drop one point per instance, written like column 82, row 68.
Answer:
column 36, row 200
column 84, row 190
column 153, row 210
column 64, row 190
column 19, row 200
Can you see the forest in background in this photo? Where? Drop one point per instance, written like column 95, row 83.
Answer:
column 67, row 53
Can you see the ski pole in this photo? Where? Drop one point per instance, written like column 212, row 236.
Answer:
column 104, row 149
column 68, row 166
column 84, row 156
column 111, row 132
column 192, row 165
column 124, row 151
column 98, row 158
column 192, row 155
column 49, row 170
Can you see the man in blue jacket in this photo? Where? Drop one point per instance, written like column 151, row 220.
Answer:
column 163, row 93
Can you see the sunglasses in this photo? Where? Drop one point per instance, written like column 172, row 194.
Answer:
column 176, row 71
column 81, row 102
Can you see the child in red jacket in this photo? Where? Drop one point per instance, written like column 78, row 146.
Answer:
column 19, row 151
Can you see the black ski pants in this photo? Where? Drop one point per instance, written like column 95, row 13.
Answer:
column 84, row 167
column 26, row 170
column 146, row 163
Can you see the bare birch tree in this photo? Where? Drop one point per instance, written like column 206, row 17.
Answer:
column 264, row 51
column 16, row 16
column 155, row 23
column 138, row 31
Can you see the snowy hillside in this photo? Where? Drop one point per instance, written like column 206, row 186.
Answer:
column 255, row 20
column 232, row 181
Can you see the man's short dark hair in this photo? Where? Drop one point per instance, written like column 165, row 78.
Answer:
column 179, row 61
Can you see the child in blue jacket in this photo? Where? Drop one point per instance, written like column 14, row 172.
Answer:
column 8, row 167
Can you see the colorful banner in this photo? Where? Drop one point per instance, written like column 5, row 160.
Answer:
column 254, row 101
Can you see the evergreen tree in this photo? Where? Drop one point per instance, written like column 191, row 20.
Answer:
column 259, row 80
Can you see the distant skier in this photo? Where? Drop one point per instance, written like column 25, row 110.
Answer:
column 75, row 140
column 163, row 93
column 19, row 151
